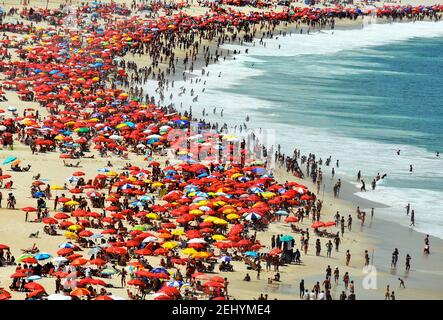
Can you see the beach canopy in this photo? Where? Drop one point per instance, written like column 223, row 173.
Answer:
column 9, row 160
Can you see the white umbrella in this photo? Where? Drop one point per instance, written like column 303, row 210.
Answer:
column 116, row 137
column 57, row 296
column 197, row 240
column 149, row 239
column 140, row 146
column 59, row 259
column 2, row 128
column 12, row 109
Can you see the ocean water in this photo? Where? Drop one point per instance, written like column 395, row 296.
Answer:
column 355, row 95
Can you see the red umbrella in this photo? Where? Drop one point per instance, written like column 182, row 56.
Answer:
column 61, row 216
column 291, row 219
column 78, row 173
column 103, row 298
column 136, row 282
column 213, row 284
column 97, row 261
column 29, row 209
column 329, row 224
column 34, row 286
column 49, row 220
column 30, row 260
column 317, row 224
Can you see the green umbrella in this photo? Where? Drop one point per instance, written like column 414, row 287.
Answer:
column 109, row 271
column 24, row 256
column 286, row 238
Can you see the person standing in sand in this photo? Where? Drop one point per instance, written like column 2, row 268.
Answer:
column 387, row 294
column 348, row 257
column 412, row 219
column 408, row 262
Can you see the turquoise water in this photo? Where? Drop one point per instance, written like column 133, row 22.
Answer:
column 355, row 95
column 391, row 93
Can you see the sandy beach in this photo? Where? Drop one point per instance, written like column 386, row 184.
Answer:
column 379, row 237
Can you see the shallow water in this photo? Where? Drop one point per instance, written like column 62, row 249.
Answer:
column 357, row 95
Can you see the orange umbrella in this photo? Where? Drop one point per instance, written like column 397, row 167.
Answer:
column 79, row 292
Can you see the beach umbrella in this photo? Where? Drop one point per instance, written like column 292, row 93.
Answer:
column 282, row 213
column 80, row 292
column 225, row 259
column 34, row 278
column 58, row 296
column 317, row 224
column 252, row 216
column 42, row 256
column 291, row 219
column 286, row 238
column 59, row 260
column 9, row 160
column 251, row 254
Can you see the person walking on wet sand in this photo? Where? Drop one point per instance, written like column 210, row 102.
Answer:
column 366, row 258
column 348, row 257
column 412, row 219
column 337, row 242
column 363, row 186
column 387, row 294
column 408, row 207
column 394, row 258
column 349, row 223
column 402, row 283
column 408, row 262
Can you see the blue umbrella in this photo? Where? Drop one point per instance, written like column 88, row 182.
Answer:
column 39, row 194
column 286, row 238
column 66, row 245
column 225, row 259
column 160, row 270
column 33, row 278
column 9, row 160
column 42, row 256
column 282, row 213
column 251, row 254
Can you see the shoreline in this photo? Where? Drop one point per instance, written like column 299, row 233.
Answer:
column 15, row 232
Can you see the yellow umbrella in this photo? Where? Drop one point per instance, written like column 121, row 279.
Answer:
column 56, row 188
column 229, row 210
column 152, row 216
column 182, row 153
column 178, row 232
column 157, row 184
column 169, row 245
column 210, row 219
column 189, row 251
column 196, row 212
column 70, row 235
column 75, row 227
column 219, row 203
column 112, row 174
column 200, row 255
column 218, row 237
column 232, row 216
column 220, row 222
column 72, row 203
column 121, row 125
column 267, row 195
column 202, row 203
column 236, row 175
column 59, row 137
